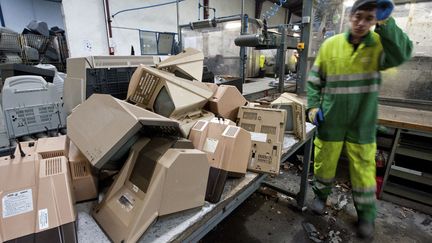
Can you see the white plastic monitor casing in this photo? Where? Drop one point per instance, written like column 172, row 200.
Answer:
column 31, row 105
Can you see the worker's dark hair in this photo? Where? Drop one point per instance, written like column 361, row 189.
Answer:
column 365, row 5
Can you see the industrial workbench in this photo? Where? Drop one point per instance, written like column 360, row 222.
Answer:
column 192, row 225
column 417, row 123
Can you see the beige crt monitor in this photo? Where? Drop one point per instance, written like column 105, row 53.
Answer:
column 166, row 94
column 169, row 96
column 157, row 179
column 226, row 102
column 103, row 128
column 224, row 144
column 36, row 203
column 84, row 182
column 296, row 114
column 75, row 84
column 267, row 127
column 187, row 64
column 52, row 147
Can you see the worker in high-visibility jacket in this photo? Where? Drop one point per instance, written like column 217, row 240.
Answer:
column 342, row 92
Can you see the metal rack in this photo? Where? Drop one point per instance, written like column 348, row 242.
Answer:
column 408, row 173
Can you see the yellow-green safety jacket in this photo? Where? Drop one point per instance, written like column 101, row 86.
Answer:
column 345, row 82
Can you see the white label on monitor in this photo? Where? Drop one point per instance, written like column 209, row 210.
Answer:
column 43, row 219
column 16, row 203
column 258, row 137
column 210, row 145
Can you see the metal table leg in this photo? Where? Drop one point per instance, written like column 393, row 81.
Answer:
column 390, row 159
column 301, row 196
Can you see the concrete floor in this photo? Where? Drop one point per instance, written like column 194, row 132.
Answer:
column 268, row 216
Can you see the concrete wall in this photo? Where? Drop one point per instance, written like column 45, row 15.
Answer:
column 85, row 27
column 18, row 13
column 90, row 28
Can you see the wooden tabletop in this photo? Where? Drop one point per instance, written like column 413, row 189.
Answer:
column 406, row 118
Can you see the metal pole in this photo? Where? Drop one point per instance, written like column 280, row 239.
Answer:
column 109, row 28
column 395, row 144
column 305, row 38
column 178, row 27
column 199, row 10
column 281, row 55
column 242, row 49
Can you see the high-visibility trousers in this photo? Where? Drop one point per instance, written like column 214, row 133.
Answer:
column 362, row 172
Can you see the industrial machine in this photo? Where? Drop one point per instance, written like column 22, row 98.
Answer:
column 281, row 37
column 99, row 74
column 267, row 128
column 169, row 96
column 219, row 139
column 36, row 194
column 31, row 105
column 267, row 40
column 296, row 114
column 226, row 102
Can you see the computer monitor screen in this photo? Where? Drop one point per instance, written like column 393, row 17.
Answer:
column 163, row 104
column 295, row 108
column 289, row 125
column 143, row 171
column 166, row 94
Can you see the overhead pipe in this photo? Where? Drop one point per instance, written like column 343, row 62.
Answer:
column 217, row 20
column 145, row 7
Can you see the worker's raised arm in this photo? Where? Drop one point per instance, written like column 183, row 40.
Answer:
column 396, row 44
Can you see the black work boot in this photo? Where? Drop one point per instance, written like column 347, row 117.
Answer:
column 318, row 206
column 365, row 229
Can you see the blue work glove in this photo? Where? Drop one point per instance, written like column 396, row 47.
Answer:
column 316, row 116
column 384, row 9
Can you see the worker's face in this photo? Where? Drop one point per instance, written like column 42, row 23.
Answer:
column 361, row 22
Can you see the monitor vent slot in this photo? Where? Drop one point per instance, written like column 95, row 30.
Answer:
column 248, row 127
column 145, row 89
column 47, row 155
column 79, row 169
column 53, row 166
column 250, row 115
column 199, row 125
column 231, row 131
column 44, row 114
column 268, row 130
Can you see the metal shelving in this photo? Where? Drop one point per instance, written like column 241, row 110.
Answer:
column 408, row 178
